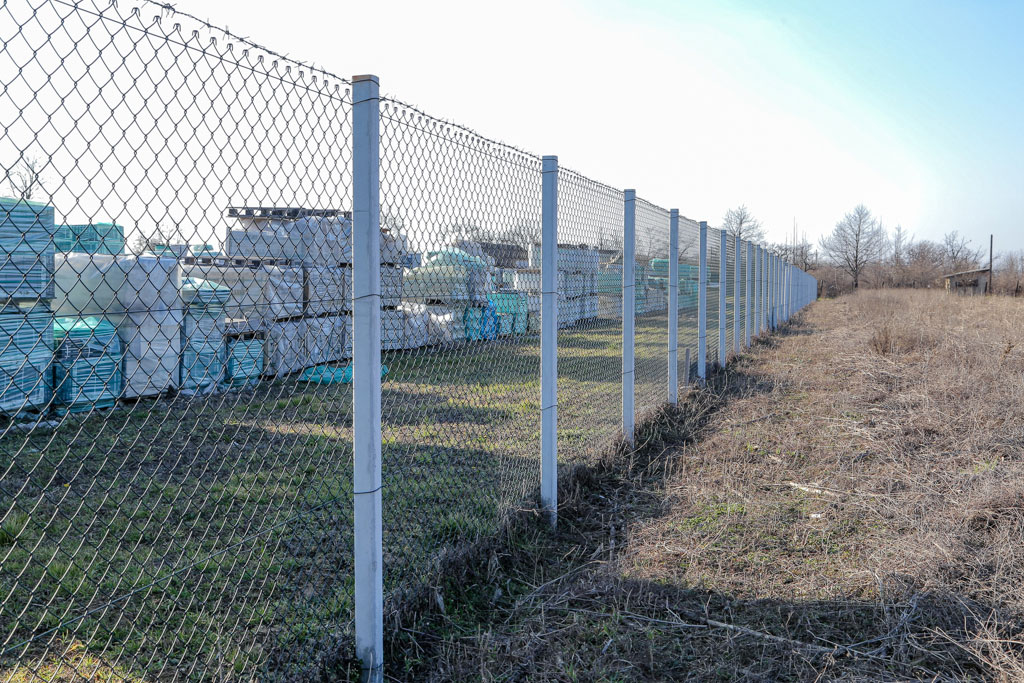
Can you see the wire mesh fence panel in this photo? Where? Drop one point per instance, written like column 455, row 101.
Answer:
column 652, row 254
column 689, row 285
column 460, row 407
column 590, row 225
column 730, row 292
column 714, row 257
column 175, row 499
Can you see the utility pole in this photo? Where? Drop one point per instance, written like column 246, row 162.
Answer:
column 991, row 274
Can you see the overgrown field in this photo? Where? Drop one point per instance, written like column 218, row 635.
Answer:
column 209, row 537
column 845, row 503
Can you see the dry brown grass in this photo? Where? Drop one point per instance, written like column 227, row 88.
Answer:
column 847, row 502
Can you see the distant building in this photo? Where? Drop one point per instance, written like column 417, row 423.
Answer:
column 969, row 282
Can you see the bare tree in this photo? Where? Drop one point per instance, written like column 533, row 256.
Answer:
column 857, row 241
column 154, row 241
column 958, row 253
column 26, row 177
column 739, row 222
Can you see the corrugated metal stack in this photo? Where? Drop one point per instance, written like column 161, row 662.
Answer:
column 26, row 289
column 87, row 364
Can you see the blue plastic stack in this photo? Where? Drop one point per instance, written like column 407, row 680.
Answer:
column 90, row 238
column 202, row 333
column 26, row 351
column 87, row 364
column 26, row 250
column 244, row 361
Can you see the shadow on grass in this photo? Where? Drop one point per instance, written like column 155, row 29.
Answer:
column 531, row 604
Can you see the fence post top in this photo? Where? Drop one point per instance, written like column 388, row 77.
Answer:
column 629, row 194
column 550, row 158
column 365, row 77
column 704, row 225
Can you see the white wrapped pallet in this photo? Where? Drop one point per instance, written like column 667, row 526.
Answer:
column 328, row 289
column 390, row 285
column 327, row 240
column 392, row 248
column 445, row 325
column 285, row 347
column 282, row 243
column 570, row 258
column 568, row 312
column 96, row 284
column 326, row 339
column 416, row 323
column 152, row 347
column 392, row 330
column 258, row 295
column 589, row 307
column 347, row 322
column 529, row 280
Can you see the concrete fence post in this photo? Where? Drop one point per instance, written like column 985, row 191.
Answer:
column 702, row 305
column 628, row 316
column 673, row 307
column 549, row 339
column 366, row 421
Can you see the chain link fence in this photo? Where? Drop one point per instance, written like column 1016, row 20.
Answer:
column 176, row 344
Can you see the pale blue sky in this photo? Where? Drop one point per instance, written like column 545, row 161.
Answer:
column 801, row 110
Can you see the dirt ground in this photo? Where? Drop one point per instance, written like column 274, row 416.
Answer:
column 846, row 502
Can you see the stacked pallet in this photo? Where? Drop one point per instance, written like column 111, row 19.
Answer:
column 578, row 281
column 141, row 297
column 446, row 299
column 202, row 334
column 26, row 290
column 87, row 364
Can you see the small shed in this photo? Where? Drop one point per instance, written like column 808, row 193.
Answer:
column 969, row 282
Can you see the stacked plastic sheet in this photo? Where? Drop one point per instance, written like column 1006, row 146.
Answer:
column 26, row 249
column 25, row 358
column 87, row 364
column 90, row 238
column 244, row 361
column 448, row 276
column 202, row 334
